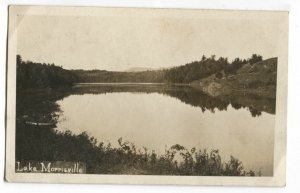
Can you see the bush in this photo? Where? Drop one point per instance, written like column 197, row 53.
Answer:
column 36, row 144
column 219, row 75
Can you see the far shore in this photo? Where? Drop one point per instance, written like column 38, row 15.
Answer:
column 124, row 83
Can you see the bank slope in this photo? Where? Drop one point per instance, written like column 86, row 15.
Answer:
column 258, row 79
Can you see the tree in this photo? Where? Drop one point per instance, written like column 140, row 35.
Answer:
column 213, row 57
column 255, row 58
column 19, row 59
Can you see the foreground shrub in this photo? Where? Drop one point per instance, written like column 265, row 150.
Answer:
column 36, row 144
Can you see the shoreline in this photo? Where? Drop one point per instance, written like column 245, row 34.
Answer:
column 222, row 90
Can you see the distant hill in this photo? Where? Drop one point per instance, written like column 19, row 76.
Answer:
column 103, row 76
column 138, row 69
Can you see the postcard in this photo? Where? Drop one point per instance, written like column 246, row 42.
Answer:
column 146, row 96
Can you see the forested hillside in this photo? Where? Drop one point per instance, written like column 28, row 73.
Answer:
column 257, row 78
column 195, row 70
column 38, row 75
column 181, row 74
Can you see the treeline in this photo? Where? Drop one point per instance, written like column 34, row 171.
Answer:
column 41, row 75
column 38, row 75
column 156, row 76
column 181, row 74
column 207, row 66
column 195, row 70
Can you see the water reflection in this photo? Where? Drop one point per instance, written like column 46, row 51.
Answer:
column 186, row 94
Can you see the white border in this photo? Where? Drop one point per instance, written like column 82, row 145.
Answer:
column 293, row 150
column 278, row 178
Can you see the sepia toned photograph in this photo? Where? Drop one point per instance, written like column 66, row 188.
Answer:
column 146, row 96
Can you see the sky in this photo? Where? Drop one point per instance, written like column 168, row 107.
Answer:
column 120, row 40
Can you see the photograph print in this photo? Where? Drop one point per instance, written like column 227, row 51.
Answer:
column 144, row 92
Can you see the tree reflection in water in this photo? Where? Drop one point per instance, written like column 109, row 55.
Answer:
column 188, row 95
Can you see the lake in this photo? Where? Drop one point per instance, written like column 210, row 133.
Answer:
column 159, row 116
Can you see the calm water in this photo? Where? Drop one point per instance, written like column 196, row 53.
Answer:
column 158, row 116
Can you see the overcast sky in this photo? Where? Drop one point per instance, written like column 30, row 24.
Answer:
column 125, row 40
